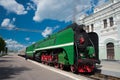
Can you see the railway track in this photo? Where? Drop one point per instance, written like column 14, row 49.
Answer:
column 98, row 76
column 103, row 77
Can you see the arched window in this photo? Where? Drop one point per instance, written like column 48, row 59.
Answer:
column 110, row 51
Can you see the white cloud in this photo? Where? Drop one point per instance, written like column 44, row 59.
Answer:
column 56, row 27
column 101, row 2
column 31, row 6
column 7, row 23
column 58, row 9
column 33, row 42
column 13, row 6
column 49, row 30
column 14, row 45
column 27, row 38
column 61, row 9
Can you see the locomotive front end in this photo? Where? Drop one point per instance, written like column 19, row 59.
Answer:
column 86, row 50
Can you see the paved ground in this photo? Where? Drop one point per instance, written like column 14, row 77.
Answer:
column 13, row 67
column 111, row 68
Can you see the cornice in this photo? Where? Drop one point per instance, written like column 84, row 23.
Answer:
column 113, row 9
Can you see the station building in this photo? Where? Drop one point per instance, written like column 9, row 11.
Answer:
column 105, row 21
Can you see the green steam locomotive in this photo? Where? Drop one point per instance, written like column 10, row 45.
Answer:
column 71, row 47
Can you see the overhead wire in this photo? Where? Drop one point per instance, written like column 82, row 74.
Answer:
column 21, row 29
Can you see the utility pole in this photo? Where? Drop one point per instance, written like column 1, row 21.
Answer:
column 74, row 12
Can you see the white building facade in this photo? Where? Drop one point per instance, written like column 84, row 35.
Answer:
column 105, row 21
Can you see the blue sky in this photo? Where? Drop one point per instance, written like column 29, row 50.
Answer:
column 23, row 22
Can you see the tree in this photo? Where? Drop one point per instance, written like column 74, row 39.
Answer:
column 2, row 45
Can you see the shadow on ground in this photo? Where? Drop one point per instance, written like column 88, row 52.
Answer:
column 7, row 72
column 5, row 60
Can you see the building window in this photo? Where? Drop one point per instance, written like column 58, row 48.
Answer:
column 105, row 23
column 111, row 21
column 92, row 27
column 110, row 50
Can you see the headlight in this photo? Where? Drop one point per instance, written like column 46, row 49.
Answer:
column 81, row 54
column 94, row 54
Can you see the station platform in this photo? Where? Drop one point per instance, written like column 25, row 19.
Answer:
column 111, row 68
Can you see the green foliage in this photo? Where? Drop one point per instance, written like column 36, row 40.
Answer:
column 2, row 44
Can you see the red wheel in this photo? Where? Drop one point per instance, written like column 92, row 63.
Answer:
column 56, row 65
column 61, row 66
column 73, row 68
